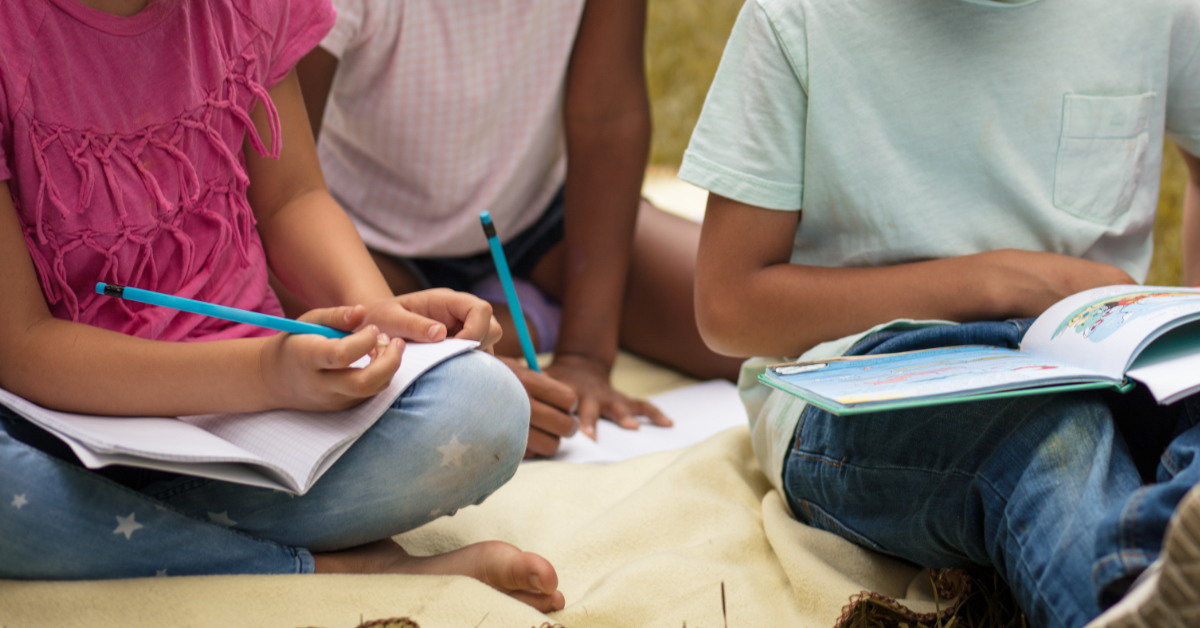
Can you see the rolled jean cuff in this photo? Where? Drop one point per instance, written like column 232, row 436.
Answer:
column 1121, row 566
column 305, row 563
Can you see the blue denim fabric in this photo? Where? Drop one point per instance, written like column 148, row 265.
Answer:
column 60, row 521
column 1043, row 488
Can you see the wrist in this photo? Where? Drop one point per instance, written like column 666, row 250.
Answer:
column 270, row 392
column 585, row 359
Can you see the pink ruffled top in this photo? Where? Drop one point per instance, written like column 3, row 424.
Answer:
column 121, row 140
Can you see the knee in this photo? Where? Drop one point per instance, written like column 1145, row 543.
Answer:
column 480, row 403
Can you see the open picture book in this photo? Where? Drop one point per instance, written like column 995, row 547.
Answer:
column 286, row 450
column 1110, row 337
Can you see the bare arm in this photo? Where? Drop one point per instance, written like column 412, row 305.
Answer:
column 311, row 244
column 751, row 301
column 1191, row 221
column 74, row 367
column 607, row 119
column 608, row 136
column 316, row 71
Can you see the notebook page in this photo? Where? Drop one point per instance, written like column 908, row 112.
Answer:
column 251, row 475
column 161, row 437
column 301, row 443
column 291, row 445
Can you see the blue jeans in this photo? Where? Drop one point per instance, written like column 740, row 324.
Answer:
column 61, row 521
column 1044, row 488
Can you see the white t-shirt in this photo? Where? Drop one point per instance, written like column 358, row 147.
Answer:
column 929, row 129
column 440, row 110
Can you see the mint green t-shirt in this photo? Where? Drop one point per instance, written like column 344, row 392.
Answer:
column 908, row 130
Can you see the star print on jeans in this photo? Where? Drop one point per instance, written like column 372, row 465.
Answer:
column 453, row 451
column 127, row 526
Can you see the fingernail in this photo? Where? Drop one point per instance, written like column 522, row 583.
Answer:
column 374, row 330
column 381, row 341
column 433, row 332
column 574, row 427
column 536, row 582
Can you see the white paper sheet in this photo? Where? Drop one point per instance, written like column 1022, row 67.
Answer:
column 699, row 411
column 291, row 445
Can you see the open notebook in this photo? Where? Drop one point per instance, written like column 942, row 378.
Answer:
column 280, row 449
column 699, row 411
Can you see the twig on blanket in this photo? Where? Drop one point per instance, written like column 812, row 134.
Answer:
column 937, row 601
column 485, row 616
column 723, row 615
column 980, row 600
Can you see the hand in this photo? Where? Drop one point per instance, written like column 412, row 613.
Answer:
column 589, row 378
column 433, row 315
column 311, row 372
column 1029, row 282
column 551, row 403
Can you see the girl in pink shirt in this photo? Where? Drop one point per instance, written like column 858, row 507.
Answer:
column 164, row 144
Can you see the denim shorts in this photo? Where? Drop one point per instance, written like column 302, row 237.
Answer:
column 523, row 251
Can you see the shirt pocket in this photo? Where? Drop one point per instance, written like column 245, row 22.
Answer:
column 1101, row 154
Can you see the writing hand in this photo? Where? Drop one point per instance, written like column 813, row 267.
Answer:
column 311, row 372
column 597, row 398
column 551, row 403
column 433, row 315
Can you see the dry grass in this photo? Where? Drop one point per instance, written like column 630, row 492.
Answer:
column 989, row 604
column 684, row 42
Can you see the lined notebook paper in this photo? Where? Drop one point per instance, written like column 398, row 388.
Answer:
column 280, row 449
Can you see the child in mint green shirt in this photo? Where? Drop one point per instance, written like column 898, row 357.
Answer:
column 891, row 175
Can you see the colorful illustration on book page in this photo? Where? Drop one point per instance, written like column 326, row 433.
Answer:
column 1099, row 319
column 926, row 373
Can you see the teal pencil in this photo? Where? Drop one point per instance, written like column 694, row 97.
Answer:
column 510, row 291
column 218, row 311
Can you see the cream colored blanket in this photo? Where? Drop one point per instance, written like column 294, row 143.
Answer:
column 694, row 537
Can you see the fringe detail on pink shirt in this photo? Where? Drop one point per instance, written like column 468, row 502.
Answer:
column 236, row 228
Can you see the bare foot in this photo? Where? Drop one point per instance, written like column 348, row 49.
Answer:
column 522, row 575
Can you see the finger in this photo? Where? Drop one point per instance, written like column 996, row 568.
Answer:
column 342, row 352
column 541, row 444
column 552, row 420
column 372, row 379
column 546, row 389
column 345, row 318
column 589, row 413
column 464, row 315
column 619, row 413
column 495, row 332
column 641, row 407
column 478, row 323
column 409, row 325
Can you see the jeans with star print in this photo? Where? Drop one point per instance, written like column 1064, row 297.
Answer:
column 450, row 440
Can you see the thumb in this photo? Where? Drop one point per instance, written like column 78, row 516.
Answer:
column 400, row 322
column 345, row 318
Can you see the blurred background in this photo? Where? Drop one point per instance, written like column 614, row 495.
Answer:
column 684, row 40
